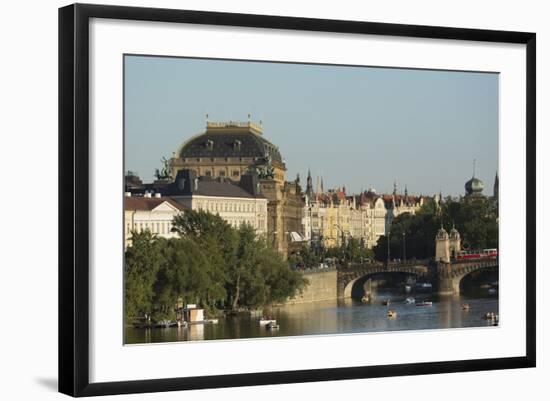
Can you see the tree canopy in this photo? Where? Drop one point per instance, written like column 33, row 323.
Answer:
column 476, row 219
column 210, row 263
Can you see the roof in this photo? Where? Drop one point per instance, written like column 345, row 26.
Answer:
column 142, row 203
column 230, row 141
column 207, row 186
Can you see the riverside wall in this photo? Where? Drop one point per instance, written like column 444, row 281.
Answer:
column 322, row 287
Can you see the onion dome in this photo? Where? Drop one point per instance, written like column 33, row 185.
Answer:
column 454, row 234
column 442, row 234
column 474, row 187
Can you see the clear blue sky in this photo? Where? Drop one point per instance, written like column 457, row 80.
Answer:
column 357, row 126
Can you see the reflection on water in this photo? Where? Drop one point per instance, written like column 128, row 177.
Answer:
column 334, row 317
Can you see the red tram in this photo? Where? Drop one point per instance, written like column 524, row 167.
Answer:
column 477, row 254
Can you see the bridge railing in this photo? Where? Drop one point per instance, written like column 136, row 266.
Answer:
column 391, row 265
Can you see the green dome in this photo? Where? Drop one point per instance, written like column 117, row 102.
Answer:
column 474, row 186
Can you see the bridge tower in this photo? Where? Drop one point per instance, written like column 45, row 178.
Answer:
column 442, row 249
column 454, row 242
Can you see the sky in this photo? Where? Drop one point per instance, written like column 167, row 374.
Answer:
column 358, row 127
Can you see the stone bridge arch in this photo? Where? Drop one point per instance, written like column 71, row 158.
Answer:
column 347, row 277
column 452, row 274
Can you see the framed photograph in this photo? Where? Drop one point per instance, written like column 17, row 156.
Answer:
column 252, row 199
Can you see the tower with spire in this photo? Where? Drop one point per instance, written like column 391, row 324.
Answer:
column 309, row 184
column 495, row 187
column 474, row 186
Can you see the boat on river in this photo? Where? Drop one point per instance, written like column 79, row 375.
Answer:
column 410, row 300
column 272, row 326
column 386, row 302
column 491, row 316
column 465, row 307
column 265, row 321
column 424, row 303
column 391, row 313
column 163, row 324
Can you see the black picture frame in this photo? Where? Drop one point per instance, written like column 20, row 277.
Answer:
column 74, row 200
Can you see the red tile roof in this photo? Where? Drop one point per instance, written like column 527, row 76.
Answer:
column 142, row 203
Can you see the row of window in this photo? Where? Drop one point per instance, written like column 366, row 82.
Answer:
column 240, row 221
column 229, row 207
column 227, row 159
column 221, row 173
column 163, row 227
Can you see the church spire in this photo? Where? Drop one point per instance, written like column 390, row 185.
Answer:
column 495, row 186
column 309, row 183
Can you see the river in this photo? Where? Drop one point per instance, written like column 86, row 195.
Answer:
column 333, row 317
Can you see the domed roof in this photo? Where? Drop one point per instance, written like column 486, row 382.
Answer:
column 474, row 186
column 454, row 234
column 442, row 234
column 230, row 139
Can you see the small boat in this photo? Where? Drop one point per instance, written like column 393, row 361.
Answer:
column 408, row 288
column 492, row 291
column 163, row 324
column 365, row 299
column 465, row 307
column 212, row 321
column 272, row 326
column 410, row 300
column 484, row 286
column 424, row 303
column 424, row 285
column 490, row 316
column 266, row 321
column 391, row 313
column 386, row 302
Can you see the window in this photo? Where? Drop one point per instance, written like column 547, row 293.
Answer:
column 208, row 173
column 236, row 173
column 222, row 173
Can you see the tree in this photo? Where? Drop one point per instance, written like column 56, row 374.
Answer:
column 142, row 262
column 476, row 219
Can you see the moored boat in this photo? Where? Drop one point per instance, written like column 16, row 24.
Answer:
column 391, row 313
column 410, row 300
column 424, row 303
column 272, row 326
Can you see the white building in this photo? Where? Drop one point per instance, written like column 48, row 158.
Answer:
column 154, row 214
column 237, row 204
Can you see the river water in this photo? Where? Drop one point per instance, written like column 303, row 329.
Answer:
column 333, row 317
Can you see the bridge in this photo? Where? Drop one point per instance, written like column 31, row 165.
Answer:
column 444, row 276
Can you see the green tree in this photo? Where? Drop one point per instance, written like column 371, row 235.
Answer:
column 475, row 219
column 142, row 262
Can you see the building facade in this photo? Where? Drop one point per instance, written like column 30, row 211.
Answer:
column 152, row 213
column 231, row 150
column 237, row 204
column 335, row 216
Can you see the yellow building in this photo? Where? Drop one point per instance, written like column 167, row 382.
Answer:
column 234, row 149
column 229, row 149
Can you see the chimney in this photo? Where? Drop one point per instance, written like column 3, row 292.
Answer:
column 147, row 195
column 250, row 183
column 186, row 181
column 128, row 194
column 158, row 195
